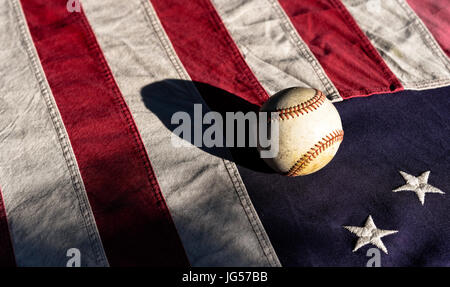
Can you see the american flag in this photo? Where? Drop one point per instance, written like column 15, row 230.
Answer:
column 87, row 90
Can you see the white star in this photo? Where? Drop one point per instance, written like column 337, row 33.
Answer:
column 369, row 234
column 419, row 185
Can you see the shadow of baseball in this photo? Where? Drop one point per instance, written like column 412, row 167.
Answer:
column 167, row 97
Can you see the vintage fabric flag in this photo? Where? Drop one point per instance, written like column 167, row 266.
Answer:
column 88, row 169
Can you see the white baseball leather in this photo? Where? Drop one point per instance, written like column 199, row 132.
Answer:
column 310, row 130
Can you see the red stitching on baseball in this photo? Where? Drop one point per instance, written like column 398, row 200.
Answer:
column 308, row 157
column 296, row 111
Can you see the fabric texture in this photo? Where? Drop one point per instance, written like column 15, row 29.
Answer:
column 206, row 49
column 90, row 160
column 436, row 16
column 304, row 216
column 203, row 190
column 403, row 42
column 44, row 197
column 347, row 56
column 272, row 47
column 131, row 215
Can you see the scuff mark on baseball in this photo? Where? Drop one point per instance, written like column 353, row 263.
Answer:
column 310, row 131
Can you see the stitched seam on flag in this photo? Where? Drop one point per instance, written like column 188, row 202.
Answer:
column 152, row 19
column 438, row 81
column 304, row 50
column 61, row 133
column 125, row 112
column 426, row 35
column 169, row 50
column 427, row 84
column 303, row 108
column 369, row 91
column 332, row 138
column 263, row 96
column 342, row 10
column 155, row 25
column 236, row 54
column 366, row 42
column 5, row 228
column 252, row 216
column 429, row 40
column 261, row 235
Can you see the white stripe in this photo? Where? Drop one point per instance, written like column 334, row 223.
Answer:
column 45, row 200
column 205, row 194
column 403, row 41
column 272, row 47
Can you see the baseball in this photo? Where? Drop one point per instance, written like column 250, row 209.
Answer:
column 310, row 131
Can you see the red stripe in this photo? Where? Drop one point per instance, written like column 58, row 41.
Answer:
column 206, row 49
column 131, row 214
column 346, row 54
column 436, row 16
column 7, row 258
